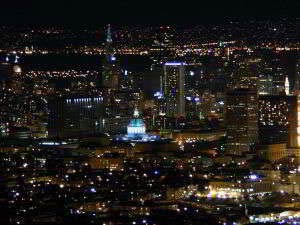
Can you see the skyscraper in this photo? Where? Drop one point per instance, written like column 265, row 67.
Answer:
column 111, row 71
column 277, row 119
column 297, row 75
column 287, row 86
column 294, row 141
column 265, row 85
column 241, row 120
column 75, row 116
column 246, row 75
column 172, row 87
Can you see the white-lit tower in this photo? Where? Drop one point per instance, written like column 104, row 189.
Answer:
column 172, row 83
column 287, row 86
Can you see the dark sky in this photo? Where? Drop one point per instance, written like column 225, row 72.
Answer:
column 82, row 12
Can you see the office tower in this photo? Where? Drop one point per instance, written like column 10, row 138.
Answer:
column 119, row 113
column 265, row 85
column 277, row 119
column 172, row 87
column 246, row 76
column 297, row 77
column 275, row 68
column 114, row 118
column 295, row 136
column 287, row 86
column 111, row 71
column 151, row 81
column 269, row 74
column 73, row 116
column 11, row 76
column 12, row 96
column 241, row 120
column 295, row 125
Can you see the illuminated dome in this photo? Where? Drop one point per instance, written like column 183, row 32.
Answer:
column 17, row 69
column 136, row 131
column 136, row 126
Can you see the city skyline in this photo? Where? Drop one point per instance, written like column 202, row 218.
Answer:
column 109, row 117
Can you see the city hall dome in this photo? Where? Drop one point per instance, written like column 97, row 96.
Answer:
column 136, row 125
column 136, row 131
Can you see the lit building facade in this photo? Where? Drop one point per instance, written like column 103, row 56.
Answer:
column 241, row 120
column 269, row 73
column 287, row 86
column 136, row 127
column 277, row 116
column 265, row 85
column 246, row 75
column 296, row 77
column 172, row 87
column 75, row 116
column 136, row 131
column 114, row 102
column 275, row 68
column 295, row 132
column 111, row 71
column 295, row 138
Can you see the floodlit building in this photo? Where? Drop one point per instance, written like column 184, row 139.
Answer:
column 241, row 120
column 277, row 118
column 136, row 131
column 111, row 71
column 75, row 116
column 172, row 85
column 287, row 86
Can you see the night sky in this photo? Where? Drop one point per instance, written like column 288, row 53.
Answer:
column 80, row 12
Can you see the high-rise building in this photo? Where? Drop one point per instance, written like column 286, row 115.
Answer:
column 75, row 116
column 111, row 71
column 295, row 131
column 287, row 86
column 246, row 75
column 297, row 77
column 275, row 68
column 295, row 136
column 265, row 85
column 271, row 73
column 241, row 120
column 172, row 87
column 114, row 117
column 12, row 95
column 277, row 119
